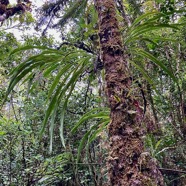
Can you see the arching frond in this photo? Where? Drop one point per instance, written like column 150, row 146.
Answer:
column 68, row 67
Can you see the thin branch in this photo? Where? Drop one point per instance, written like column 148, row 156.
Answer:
column 86, row 94
column 46, row 28
column 79, row 45
column 17, row 25
column 13, row 108
column 172, row 170
column 121, row 8
column 80, row 113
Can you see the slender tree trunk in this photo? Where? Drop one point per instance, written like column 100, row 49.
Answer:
column 128, row 164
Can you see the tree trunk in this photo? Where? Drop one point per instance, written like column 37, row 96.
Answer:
column 128, row 164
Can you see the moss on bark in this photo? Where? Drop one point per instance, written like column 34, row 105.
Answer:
column 128, row 164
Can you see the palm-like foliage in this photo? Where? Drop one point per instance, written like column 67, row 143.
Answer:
column 138, row 31
column 69, row 63
column 68, row 67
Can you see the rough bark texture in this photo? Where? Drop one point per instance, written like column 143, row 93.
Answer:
column 128, row 164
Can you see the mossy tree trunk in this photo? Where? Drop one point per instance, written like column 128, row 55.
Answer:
column 128, row 164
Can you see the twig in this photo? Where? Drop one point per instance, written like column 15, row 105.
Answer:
column 13, row 108
column 79, row 45
column 86, row 94
column 172, row 170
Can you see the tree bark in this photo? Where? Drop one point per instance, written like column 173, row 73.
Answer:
column 128, row 164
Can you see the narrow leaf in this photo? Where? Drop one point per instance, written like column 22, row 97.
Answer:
column 83, row 141
column 51, row 129
column 99, row 130
column 30, row 47
column 156, row 61
column 56, row 80
column 90, row 115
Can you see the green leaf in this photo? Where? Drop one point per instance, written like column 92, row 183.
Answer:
column 146, row 76
column 156, row 61
column 147, row 15
column 89, row 138
column 148, row 40
column 75, row 75
column 49, row 69
column 158, row 144
column 83, row 141
column 99, row 130
column 90, row 115
column 62, row 123
column 53, row 103
column 164, row 39
column 56, row 80
column 19, row 76
column 51, row 129
column 60, row 92
column 146, row 27
column 42, row 58
column 63, row 114
column 49, row 110
column 31, row 47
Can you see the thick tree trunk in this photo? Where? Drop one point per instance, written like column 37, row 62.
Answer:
column 128, row 164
